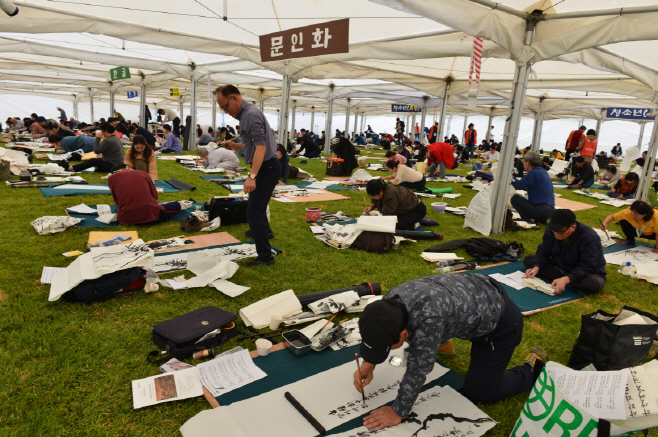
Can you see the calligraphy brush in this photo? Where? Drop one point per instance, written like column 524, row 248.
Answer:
column 606, row 232
column 325, row 325
column 358, row 368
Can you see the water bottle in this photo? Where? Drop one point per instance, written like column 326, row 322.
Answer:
column 446, row 269
column 628, row 269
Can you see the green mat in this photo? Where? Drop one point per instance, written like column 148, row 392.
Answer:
column 527, row 299
column 102, row 189
column 284, row 368
column 437, row 190
column 618, row 247
column 91, row 222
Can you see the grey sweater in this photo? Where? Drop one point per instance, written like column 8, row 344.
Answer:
column 441, row 307
column 111, row 148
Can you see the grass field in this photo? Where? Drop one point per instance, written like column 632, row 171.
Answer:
column 66, row 368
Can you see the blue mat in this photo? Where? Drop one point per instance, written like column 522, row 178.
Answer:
column 528, row 300
column 332, row 187
column 103, row 189
column 91, row 222
column 284, row 368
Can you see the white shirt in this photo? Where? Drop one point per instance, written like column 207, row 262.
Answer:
column 169, row 115
column 222, row 158
column 406, row 174
column 492, row 156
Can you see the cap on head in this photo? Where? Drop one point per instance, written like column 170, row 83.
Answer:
column 380, row 326
column 561, row 219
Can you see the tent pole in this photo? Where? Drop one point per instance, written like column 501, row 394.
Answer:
column 464, row 130
column 500, row 190
column 111, row 102
column 645, row 178
column 312, row 129
column 91, row 103
column 536, row 133
column 142, row 105
column 413, row 128
column 214, row 111
column 599, row 122
column 327, row 130
column 541, row 127
column 192, row 135
column 285, row 105
column 292, row 127
column 346, row 134
column 356, row 122
column 444, row 104
column 423, row 114
column 639, row 140
column 261, row 102
column 180, row 107
column 489, row 124
column 75, row 107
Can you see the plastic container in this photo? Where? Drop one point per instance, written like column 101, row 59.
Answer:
column 628, row 269
column 298, row 343
column 439, row 207
column 263, row 346
column 313, row 214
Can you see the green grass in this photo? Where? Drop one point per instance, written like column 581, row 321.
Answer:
column 67, row 368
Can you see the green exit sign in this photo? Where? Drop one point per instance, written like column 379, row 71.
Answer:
column 119, row 73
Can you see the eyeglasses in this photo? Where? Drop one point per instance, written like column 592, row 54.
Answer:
column 562, row 231
column 225, row 107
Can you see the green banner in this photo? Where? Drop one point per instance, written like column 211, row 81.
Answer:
column 119, row 73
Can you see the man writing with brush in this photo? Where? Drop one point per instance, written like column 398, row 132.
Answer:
column 430, row 311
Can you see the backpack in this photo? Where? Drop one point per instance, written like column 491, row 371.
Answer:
column 379, row 242
column 483, row 249
column 107, row 286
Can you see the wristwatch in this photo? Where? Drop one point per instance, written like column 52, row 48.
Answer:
column 251, row 176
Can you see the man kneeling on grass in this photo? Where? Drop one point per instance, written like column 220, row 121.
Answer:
column 108, row 149
column 429, row 312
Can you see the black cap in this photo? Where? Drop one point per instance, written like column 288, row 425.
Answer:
column 380, row 326
column 561, row 219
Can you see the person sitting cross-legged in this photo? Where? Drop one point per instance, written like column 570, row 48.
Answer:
column 583, row 174
column 140, row 156
column 625, row 187
column 638, row 221
column 172, row 143
column 570, row 254
column 540, row 204
column 108, row 149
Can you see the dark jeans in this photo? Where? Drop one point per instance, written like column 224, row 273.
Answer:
column 170, row 210
column 312, row 154
column 618, row 195
column 266, row 180
column 530, row 211
column 568, row 153
column 101, row 166
column 590, row 284
column 588, row 183
column 176, row 126
column 420, row 185
column 631, row 233
column 470, row 148
column 407, row 220
column 488, row 379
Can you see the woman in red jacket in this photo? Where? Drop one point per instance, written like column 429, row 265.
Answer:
column 443, row 155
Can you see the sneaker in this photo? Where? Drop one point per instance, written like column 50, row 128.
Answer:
column 447, row 349
column 257, row 262
column 536, row 353
column 627, row 243
column 270, row 235
column 195, row 225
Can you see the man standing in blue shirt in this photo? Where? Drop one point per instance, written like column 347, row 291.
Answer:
column 260, row 151
column 539, row 205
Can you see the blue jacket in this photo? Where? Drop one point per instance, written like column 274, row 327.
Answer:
column 581, row 255
column 539, row 187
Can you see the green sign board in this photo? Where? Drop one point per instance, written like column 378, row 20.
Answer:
column 119, row 73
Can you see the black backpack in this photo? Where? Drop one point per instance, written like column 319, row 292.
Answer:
column 483, row 249
column 107, row 286
column 379, row 242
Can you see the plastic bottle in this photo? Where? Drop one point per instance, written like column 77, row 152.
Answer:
column 446, row 269
column 628, row 269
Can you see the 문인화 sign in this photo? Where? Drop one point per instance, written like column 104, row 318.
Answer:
column 629, row 114
column 406, row 108
column 303, row 42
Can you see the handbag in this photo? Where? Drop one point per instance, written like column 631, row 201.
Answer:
column 107, row 286
column 202, row 329
column 610, row 346
column 337, row 167
column 229, row 210
column 5, row 173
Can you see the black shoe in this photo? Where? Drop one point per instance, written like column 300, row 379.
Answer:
column 257, row 262
column 64, row 164
column 270, row 235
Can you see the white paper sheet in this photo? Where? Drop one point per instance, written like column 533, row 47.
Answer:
column 640, row 397
column 513, row 280
column 283, row 199
column 382, row 223
column 451, row 195
column 438, row 412
column 178, row 261
column 228, row 372
column 48, row 273
column 119, row 257
column 166, row 388
column 82, row 187
column 439, row 256
column 478, row 215
column 258, row 314
column 632, row 153
column 335, row 303
column 52, row 224
column 317, row 229
column 82, row 209
column 223, row 270
column 326, row 396
column 177, row 285
column 599, row 393
column 229, row 288
column 638, row 255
